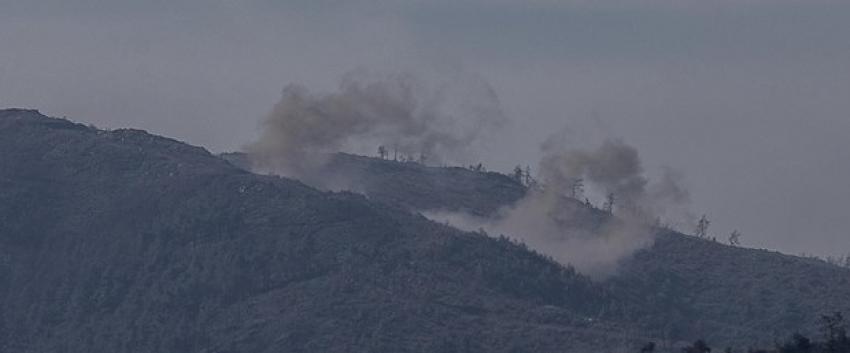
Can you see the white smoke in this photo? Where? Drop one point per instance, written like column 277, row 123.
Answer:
column 551, row 221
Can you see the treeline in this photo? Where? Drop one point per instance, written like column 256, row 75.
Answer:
column 833, row 339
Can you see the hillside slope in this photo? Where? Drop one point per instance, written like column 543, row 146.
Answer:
column 412, row 185
column 687, row 287
column 121, row 241
column 730, row 295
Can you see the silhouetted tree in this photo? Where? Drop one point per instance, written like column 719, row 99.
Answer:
column 382, row 152
column 702, row 227
column 518, row 174
column 735, row 238
column 649, row 347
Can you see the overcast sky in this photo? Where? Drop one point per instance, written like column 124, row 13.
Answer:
column 749, row 98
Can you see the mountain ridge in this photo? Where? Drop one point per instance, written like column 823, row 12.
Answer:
column 122, row 241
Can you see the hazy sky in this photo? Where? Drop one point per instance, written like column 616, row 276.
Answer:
column 749, row 98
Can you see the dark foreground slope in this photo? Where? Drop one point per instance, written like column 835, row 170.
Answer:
column 121, row 241
column 686, row 287
column 730, row 295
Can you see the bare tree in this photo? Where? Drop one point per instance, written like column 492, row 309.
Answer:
column 702, row 227
column 382, row 152
column 735, row 238
column 518, row 174
column 577, row 188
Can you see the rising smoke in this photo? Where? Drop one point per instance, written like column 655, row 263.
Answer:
column 614, row 168
column 411, row 118
column 401, row 112
column 554, row 220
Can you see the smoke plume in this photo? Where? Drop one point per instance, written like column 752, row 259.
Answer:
column 613, row 169
column 398, row 111
column 411, row 118
column 555, row 219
